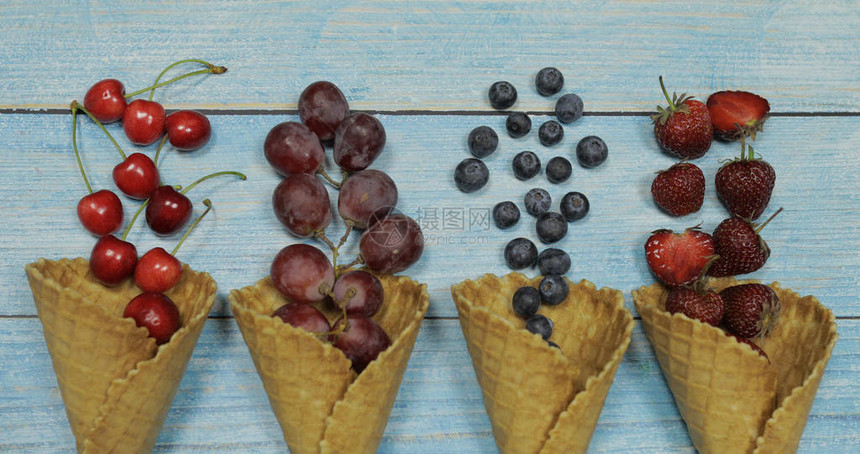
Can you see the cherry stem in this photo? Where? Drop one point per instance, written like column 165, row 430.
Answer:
column 666, row 94
column 209, row 68
column 759, row 228
column 170, row 81
column 75, row 144
column 213, row 175
column 208, row 204
column 328, row 178
column 158, row 150
column 107, row 133
column 136, row 214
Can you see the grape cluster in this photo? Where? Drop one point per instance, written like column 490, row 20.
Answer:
column 114, row 260
column 390, row 242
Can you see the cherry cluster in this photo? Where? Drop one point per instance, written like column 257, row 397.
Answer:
column 390, row 242
column 168, row 209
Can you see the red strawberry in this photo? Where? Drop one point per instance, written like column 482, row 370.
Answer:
column 752, row 345
column 678, row 258
column 680, row 189
column 684, row 128
column 739, row 247
column 705, row 307
column 737, row 113
column 745, row 185
column 751, row 310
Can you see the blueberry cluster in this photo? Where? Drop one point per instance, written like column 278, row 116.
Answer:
column 551, row 226
column 552, row 289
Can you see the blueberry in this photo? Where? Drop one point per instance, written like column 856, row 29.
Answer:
column 483, row 141
column 551, row 227
column 518, row 124
column 520, row 253
column 568, row 108
column 574, row 206
column 549, row 81
column 553, row 261
column 502, row 95
column 537, row 201
column 526, row 165
column 591, row 151
column 526, row 301
column 506, row 214
column 471, row 174
column 550, row 133
column 553, row 289
column 558, row 170
column 540, row 325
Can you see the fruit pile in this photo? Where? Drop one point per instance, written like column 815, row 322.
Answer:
column 550, row 226
column 168, row 209
column 684, row 260
column 390, row 243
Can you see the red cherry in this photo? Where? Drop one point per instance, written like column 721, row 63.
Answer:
column 137, row 176
column 143, row 121
column 157, row 313
column 188, row 130
column 106, row 100
column 157, row 271
column 112, row 260
column 100, row 212
column 168, row 210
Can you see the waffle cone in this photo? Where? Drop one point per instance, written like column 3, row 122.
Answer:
column 542, row 399
column 320, row 403
column 116, row 384
column 731, row 398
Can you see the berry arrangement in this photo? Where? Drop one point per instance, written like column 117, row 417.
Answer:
column 684, row 260
column 168, row 209
column 472, row 174
column 366, row 198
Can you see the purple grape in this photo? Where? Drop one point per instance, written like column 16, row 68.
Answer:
column 358, row 140
column 362, row 340
column 367, row 292
column 293, row 148
column 322, row 107
column 301, row 203
column 392, row 244
column 363, row 193
column 302, row 273
column 303, row 316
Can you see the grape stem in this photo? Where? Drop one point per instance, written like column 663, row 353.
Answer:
column 75, row 144
column 320, row 234
column 325, row 290
column 208, row 204
column 107, row 133
column 359, row 260
column 332, row 181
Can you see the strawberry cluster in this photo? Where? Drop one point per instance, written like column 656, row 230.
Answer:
column 114, row 260
column 684, row 260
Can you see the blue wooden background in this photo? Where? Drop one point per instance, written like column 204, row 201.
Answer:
column 424, row 67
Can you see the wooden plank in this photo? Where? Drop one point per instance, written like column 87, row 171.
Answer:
column 430, row 55
column 814, row 241
column 222, row 407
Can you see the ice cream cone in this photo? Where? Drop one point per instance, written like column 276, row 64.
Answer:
column 116, row 384
column 731, row 398
column 320, row 403
column 542, row 399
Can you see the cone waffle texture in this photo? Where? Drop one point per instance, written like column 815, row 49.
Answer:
column 731, row 398
column 320, row 403
column 542, row 399
column 116, row 384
